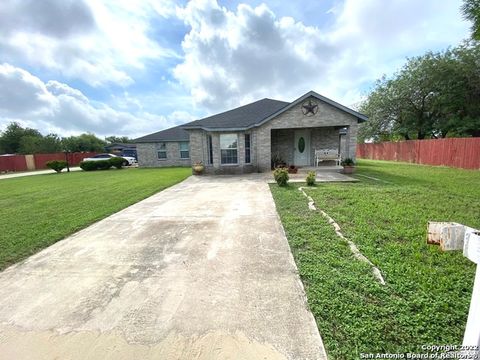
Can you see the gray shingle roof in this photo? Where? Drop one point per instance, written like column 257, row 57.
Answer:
column 120, row 145
column 241, row 117
column 176, row 133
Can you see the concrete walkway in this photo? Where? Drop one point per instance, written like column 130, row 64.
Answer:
column 30, row 173
column 201, row 270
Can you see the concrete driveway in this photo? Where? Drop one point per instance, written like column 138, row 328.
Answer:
column 201, row 270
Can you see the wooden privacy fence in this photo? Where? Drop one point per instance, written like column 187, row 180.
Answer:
column 13, row 163
column 455, row 152
column 37, row 161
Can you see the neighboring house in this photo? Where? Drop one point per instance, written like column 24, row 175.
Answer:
column 122, row 149
column 246, row 138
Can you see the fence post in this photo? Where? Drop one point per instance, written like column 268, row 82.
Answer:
column 30, row 161
column 453, row 236
column 472, row 331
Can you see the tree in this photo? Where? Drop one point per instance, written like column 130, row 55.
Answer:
column 467, row 106
column 10, row 139
column 386, row 118
column 83, row 142
column 118, row 139
column 16, row 139
column 434, row 95
column 471, row 11
column 51, row 143
column 40, row 144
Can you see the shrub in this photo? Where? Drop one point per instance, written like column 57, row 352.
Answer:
column 103, row 164
column 88, row 165
column 117, row 162
column 281, row 176
column 311, row 178
column 347, row 162
column 57, row 165
column 96, row 165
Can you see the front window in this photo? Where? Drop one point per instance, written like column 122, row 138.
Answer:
column 184, row 152
column 162, row 151
column 228, row 148
column 247, row 148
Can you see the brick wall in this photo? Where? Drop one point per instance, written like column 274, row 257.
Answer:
column 217, row 167
column 147, row 155
column 282, row 144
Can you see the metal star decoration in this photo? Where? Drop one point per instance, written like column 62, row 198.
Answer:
column 309, row 108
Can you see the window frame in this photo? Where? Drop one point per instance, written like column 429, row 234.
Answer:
column 162, row 148
column 184, row 151
column 229, row 149
column 248, row 149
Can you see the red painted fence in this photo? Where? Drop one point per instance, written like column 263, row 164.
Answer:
column 73, row 158
column 455, row 152
column 13, row 163
column 19, row 162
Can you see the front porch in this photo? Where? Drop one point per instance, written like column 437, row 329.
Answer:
column 323, row 174
column 297, row 146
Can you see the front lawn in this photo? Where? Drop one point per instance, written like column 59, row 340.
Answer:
column 36, row 211
column 427, row 292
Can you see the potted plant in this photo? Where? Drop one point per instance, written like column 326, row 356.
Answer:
column 198, row 168
column 292, row 169
column 348, row 165
column 277, row 161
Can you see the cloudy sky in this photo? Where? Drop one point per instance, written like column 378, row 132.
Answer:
column 133, row 67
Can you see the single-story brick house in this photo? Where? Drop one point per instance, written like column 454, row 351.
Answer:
column 246, row 138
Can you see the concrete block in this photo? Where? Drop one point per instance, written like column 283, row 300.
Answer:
column 449, row 235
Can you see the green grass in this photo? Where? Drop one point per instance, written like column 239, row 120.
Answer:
column 36, row 211
column 427, row 295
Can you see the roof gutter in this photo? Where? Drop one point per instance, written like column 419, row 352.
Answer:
column 218, row 129
column 159, row 140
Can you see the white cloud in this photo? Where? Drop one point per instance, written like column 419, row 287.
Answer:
column 97, row 42
column 57, row 107
column 22, row 94
column 232, row 57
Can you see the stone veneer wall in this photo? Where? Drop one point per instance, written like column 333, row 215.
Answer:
column 327, row 116
column 147, row 155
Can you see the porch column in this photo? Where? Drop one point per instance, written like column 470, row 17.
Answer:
column 196, row 146
column 346, row 150
column 216, row 150
column 264, row 148
column 351, row 140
